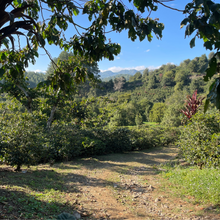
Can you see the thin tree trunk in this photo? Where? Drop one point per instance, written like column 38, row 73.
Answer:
column 49, row 121
column 53, row 110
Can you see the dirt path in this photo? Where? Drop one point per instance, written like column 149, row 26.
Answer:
column 126, row 186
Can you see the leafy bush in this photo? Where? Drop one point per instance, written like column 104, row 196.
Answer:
column 200, row 140
column 93, row 147
column 21, row 140
column 143, row 138
column 157, row 112
column 64, row 142
column 118, row 140
column 24, row 141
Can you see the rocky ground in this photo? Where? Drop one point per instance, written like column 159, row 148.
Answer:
column 128, row 186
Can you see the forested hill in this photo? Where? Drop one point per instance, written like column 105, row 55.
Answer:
column 35, row 78
column 188, row 76
column 107, row 75
column 155, row 96
column 152, row 97
column 126, row 76
column 158, row 84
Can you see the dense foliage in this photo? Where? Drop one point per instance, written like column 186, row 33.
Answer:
column 57, row 108
column 89, row 44
column 98, row 118
column 199, row 140
column 24, row 140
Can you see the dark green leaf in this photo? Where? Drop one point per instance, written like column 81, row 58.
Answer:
column 189, row 29
column 211, row 71
column 184, row 22
column 208, row 45
column 192, row 42
column 2, row 71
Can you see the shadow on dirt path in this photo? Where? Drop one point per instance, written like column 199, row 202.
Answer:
column 127, row 186
column 116, row 186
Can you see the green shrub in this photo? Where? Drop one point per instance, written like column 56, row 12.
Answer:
column 93, row 147
column 64, row 142
column 21, row 140
column 157, row 112
column 115, row 139
column 118, row 140
column 25, row 141
column 147, row 137
column 199, row 140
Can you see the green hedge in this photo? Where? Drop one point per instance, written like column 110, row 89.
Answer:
column 23, row 140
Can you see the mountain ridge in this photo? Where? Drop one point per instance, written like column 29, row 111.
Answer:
column 109, row 73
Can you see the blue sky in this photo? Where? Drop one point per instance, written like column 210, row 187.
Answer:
column 172, row 48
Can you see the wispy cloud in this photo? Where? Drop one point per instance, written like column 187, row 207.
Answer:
column 118, row 58
column 117, row 68
column 147, row 50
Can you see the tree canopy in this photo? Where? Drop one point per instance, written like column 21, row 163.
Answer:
column 46, row 21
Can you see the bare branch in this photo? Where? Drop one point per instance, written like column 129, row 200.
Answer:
column 169, row 6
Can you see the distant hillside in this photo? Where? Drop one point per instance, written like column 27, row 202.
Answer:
column 35, row 78
column 126, row 76
column 107, row 74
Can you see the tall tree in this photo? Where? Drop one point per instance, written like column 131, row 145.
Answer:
column 168, row 78
column 152, row 82
column 146, row 73
column 157, row 112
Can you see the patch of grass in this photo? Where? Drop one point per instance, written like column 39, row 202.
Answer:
column 201, row 185
column 40, row 193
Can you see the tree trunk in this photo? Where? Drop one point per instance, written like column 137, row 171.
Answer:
column 53, row 110
column 18, row 168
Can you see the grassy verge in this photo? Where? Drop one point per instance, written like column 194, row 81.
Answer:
column 39, row 193
column 202, row 185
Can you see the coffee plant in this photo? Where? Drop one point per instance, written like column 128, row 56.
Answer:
column 199, row 141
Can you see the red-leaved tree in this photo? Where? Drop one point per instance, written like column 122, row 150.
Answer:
column 192, row 105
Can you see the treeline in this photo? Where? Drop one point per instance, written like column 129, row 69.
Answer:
column 154, row 96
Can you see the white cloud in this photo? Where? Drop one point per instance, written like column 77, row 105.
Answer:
column 148, row 50
column 37, row 71
column 117, row 68
column 153, row 67
column 117, row 58
column 171, row 63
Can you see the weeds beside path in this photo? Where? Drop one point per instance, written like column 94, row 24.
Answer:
column 117, row 186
